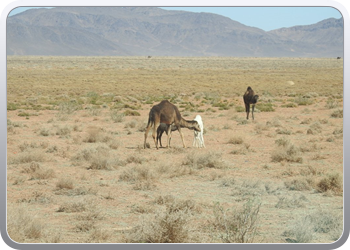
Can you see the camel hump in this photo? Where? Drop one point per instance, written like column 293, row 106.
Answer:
column 164, row 102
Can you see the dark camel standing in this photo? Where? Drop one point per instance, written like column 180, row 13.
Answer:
column 164, row 128
column 168, row 113
column 249, row 97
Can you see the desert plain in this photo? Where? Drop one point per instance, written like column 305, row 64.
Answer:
column 77, row 171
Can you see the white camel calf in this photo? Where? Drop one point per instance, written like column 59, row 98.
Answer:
column 198, row 140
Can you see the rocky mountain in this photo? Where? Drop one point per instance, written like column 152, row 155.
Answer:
column 121, row 31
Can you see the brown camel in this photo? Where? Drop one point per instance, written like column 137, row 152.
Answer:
column 168, row 113
column 249, row 97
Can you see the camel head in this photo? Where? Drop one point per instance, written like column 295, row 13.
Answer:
column 196, row 126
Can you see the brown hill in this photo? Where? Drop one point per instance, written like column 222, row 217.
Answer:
column 154, row 31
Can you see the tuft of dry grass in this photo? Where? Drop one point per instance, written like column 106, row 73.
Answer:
column 337, row 114
column 305, row 229
column 208, row 160
column 116, row 116
column 169, row 226
column 34, row 155
column 101, row 160
column 294, row 202
column 99, row 235
column 39, row 173
column 65, row 183
column 98, row 156
column 142, row 177
column 331, row 183
column 300, row 184
column 235, row 140
column 72, row 207
column 288, row 152
column 237, row 225
column 22, row 226
column 94, row 135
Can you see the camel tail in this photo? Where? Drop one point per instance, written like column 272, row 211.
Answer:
column 150, row 122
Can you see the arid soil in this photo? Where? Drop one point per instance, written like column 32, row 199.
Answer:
column 77, row 166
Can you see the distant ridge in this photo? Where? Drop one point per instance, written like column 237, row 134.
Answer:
column 142, row 31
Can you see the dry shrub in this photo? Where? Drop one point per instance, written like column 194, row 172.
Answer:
column 315, row 128
column 87, row 216
column 172, row 171
column 22, row 226
column 142, row 177
column 65, row 183
column 228, row 182
column 39, row 173
column 98, row 156
column 209, row 160
column 162, row 227
column 299, row 184
column 331, row 103
column 282, row 142
column 101, row 160
column 306, row 121
column 98, row 235
column 72, row 207
column 175, row 150
column 66, row 109
column 63, row 131
column 135, row 159
column 337, row 114
column 300, row 231
column 164, row 199
column 129, row 112
column 175, row 205
column 303, row 100
column 338, row 132
column 242, row 150
column 235, row 140
column 116, row 116
column 326, row 222
column 237, row 225
column 294, row 202
column 331, row 183
column 85, row 226
column 288, row 153
column 310, row 170
column 140, row 209
column 259, row 128
column 304, row 229
column 283, row 131
column 28, row 156
column 114, row 143
column 44, row 132
column 248, row 189
column 94, row 134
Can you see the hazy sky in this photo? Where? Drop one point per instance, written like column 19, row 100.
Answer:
column 266, row 18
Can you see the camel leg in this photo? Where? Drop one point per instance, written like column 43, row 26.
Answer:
column 247, row 110
column 202, row 140
column 168, row 132
column 182, row 136
column 159, row 137
column 194, row 140
column 146, row 134
column 154, row 134
column 253, row 106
